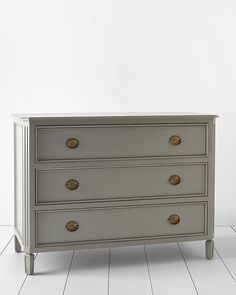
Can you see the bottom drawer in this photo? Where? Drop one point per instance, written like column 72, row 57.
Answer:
column 119, row 223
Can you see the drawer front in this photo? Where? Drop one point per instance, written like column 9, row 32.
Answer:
column 119, row 141
column 90, row 184
column 117, row 223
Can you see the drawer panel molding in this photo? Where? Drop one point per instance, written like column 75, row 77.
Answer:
column 107, row 224
column 120, row 141
column 120, row 183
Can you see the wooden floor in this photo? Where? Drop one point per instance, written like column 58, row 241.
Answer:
column 151, row 270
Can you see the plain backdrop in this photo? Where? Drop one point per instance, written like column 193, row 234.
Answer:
column 126, row 55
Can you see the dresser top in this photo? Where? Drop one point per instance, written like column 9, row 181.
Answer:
column 26, row 116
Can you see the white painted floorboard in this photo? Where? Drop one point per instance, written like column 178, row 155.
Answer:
column 6, row 233
column 50, row 276
column 129, row 272
column 12, row 273
column 225, row 244
column 209, row 276
column 168, row 271
column 89, row 273
column 162, row 269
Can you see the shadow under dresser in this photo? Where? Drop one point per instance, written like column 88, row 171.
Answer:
column 103, row 180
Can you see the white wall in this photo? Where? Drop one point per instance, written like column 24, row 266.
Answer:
column 126, row 55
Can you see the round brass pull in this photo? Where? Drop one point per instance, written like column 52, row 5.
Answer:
column 72, row 226
column 174, row 219
column 175, row 140
column 72, row 143
column 174, row 179
column 72, row 184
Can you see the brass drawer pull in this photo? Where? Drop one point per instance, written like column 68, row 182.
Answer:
column 72, row 226
column 174, row 179
column 72, row 184
column 175, row 140
column 174, row 219
column 72, row 143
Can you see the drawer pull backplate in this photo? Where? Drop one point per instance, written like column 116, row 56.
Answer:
column 174, row 179
column 72, row 184
column 174, row 219
column 72, row 226
column 175, row 140
column 72, row 143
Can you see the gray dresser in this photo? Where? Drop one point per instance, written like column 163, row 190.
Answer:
column 103, row 180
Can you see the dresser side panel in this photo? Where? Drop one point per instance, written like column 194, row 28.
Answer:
column 18, row 178
column 22, row 183
column 27, row 184
column 31, row 190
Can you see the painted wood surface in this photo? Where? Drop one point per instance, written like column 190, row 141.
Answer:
column 51, row 271
column 150, row 270
column 115, row 141
column 209, row 276
column 166, row 263
column 89, row 273
column 6, row 233
column 129, row 272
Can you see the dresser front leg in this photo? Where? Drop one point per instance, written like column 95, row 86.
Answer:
column 17, row 244
column 29, row 263
column 209, row 249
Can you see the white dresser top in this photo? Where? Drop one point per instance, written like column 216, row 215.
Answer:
column 23, row 116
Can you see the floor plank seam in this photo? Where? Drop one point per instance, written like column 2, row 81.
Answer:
column 149, row 274
column 191, row 277
column 223, row 225
column 69, row 269
column 225, row 265
column 6, row 245
column 109, row 271
column 233, row 229
column 22, row 284
column 7, row 225
column 25, row 277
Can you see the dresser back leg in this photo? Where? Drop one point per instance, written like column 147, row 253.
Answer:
column 17, row 244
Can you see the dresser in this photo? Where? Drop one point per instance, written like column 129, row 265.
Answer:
column 104, row 180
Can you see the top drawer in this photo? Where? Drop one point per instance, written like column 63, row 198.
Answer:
column 119, row 141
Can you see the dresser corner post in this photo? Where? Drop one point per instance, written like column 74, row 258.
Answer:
column 209, row 244
column 17, row 244
column 29, row 263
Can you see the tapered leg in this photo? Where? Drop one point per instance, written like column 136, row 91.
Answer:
column 17, row 245
column 209, row 249
column 29, row 263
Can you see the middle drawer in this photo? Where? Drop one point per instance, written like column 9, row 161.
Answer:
column 119, row 183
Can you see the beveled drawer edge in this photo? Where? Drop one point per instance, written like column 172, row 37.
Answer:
column 150, row 197
column 205, row 232
column 122, row 240
column 118, row 159
column 118, row 125
column 133, row 165
column 204, row 124
column 123, row 207
column 76, row 246
column 104, row 200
